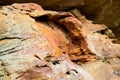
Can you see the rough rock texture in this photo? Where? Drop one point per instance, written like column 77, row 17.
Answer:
column 37, row 44
column 101, row 11
column 29, row 50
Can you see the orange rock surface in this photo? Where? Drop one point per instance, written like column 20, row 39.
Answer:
column 37, row 44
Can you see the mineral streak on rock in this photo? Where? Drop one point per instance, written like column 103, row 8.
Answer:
column 31, row 49
column 88, row 41
column 37, row 44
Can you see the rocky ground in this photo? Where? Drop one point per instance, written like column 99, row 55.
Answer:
column 38, row 44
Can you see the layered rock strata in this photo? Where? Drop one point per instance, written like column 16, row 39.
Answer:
column 37, row 44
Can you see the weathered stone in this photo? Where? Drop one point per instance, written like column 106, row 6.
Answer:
column 100, row 70
column 101, row 11
column 33, row 50
column 88, row 40
column 37, row 44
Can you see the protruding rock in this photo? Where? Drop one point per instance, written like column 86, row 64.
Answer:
column 36, row 44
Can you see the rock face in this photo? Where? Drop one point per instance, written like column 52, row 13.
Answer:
column 101, row 11
column 37, row 44
column 29, row 50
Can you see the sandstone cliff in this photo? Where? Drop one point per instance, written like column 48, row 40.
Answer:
column 38, row 44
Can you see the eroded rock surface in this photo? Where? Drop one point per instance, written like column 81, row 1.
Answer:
column 29, row 50
column 37, row 44
column 101, row 11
